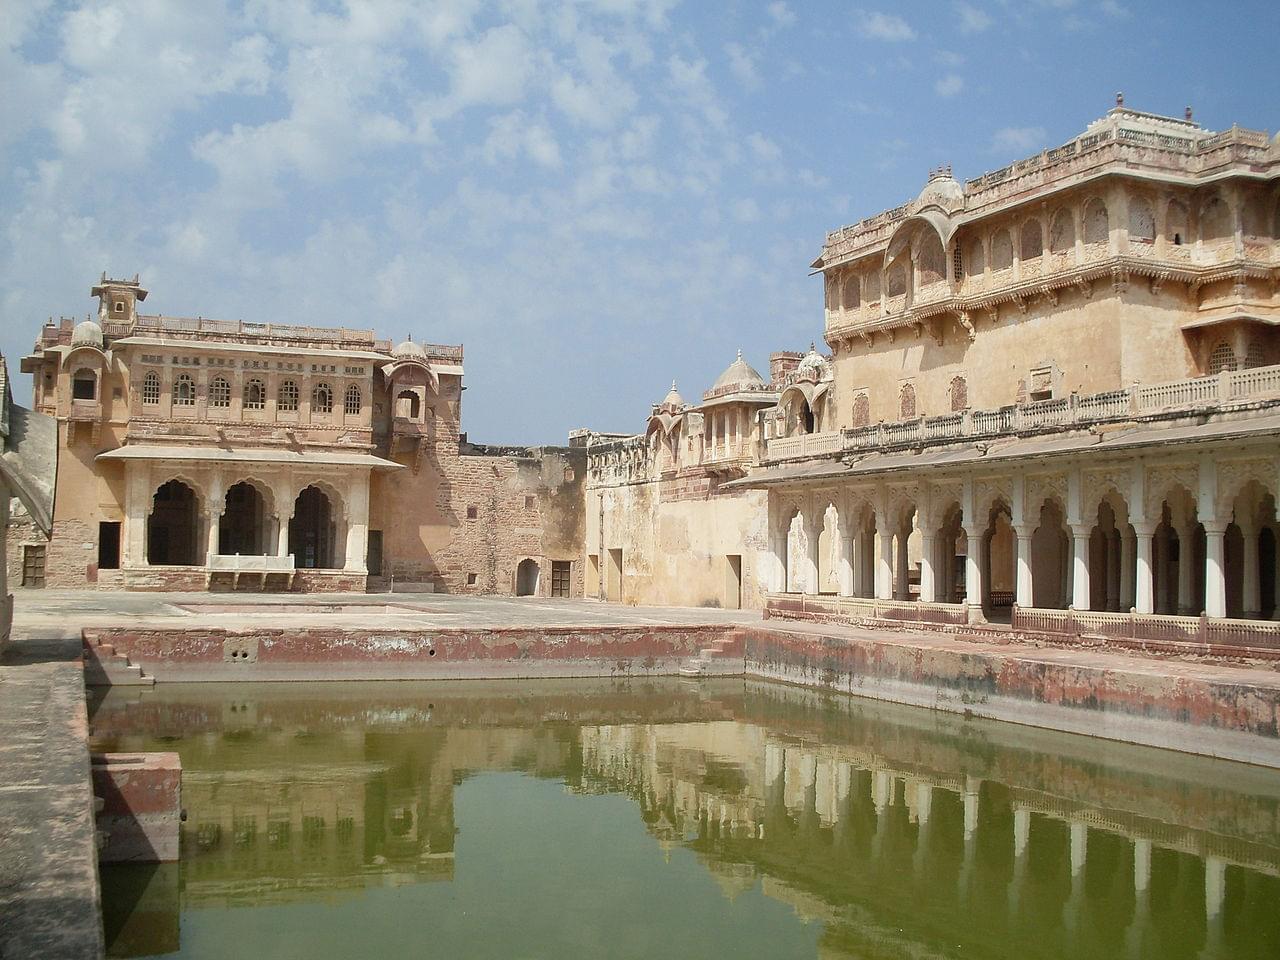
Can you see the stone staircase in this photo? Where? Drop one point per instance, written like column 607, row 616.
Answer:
column 720, row 658
column 105, row 667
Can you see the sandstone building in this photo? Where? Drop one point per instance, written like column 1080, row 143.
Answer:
column 201, row 454
column 1054, row 386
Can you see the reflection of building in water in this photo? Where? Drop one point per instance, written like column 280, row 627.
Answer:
column 856, row 836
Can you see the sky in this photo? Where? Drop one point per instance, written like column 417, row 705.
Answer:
column 594, row 197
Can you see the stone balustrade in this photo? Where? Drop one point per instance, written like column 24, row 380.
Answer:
column 1224, row 389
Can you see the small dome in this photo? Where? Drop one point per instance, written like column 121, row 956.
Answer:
column 87, row 334
column 813, row 360
column 942, row 190
column 673, row 398
column 739, row 373
column 409, row 351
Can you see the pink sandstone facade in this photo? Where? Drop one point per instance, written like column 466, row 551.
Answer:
column 197, row 454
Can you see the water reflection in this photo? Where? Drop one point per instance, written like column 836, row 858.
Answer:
column 903, row 832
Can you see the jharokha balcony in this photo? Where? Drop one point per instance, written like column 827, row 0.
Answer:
column 1218, row 393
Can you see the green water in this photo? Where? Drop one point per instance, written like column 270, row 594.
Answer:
column 723, row 819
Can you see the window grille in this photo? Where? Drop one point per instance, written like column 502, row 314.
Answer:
column 151, row 389
column 352, row 402
column 220, row 392
column 255, row 395
column 1222, row 359
column 184, row 391
column 288, row 399
column 322, row 398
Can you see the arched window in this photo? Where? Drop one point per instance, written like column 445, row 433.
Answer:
column 897, row 279
column 220, row 392
column 861, row 410
column 1062, row 232
column 1031, row 242
column 907, row 402
column 1142, row 219
column 151, row 388
column 1253, row 217
column 833, row 293
column 1223, row 358
column 1175, row 223
column 1097, row 226
column 287, row 399
column 351, row 404
column 930, row 259
column 851, row 297
column 255, row 395
column 957, row 262
column 184, row 391
column 1001, row 251
column 1215, row 220
column 1255, row 355
column 322, row 398
column 873, row 286
column 975, row 259
column 408, row 405
column 84, row 385
column 959, row 394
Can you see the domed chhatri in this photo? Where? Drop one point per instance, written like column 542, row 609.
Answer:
column 738, row 374
column 87, row 334
column 942, row 190
column 673, row 398
column 408, row 350
column 812, row 360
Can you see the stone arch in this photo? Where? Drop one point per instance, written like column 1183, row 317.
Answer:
column 897, row 279
column 184, row 390
column 1222, row 358
column 861, row 410
column 1215, row 220
column 84, row 384
column 831, row 292
column 315, row 528
column 872, row 288
column 1050, row 555
column 975, row 257
column 151, row 388
column 1177, row 223
column 1030, row 240
column 173, row 525
column 931, row 263
column 1253, row 216
column 1062, row 231
column 907, row 402
column 1001, row 250
column 799, row 417
column 851, row 297
column 958, row 393
column 1097, row 224
column 1142, row 218
column 998, row 563
column 248, row 522
column 528, row 574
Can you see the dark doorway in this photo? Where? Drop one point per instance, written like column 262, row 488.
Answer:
column 245, row 525
column 172, row 532
column 109, row 545
column 527, row 578
column 311, row 531
column 374, row 558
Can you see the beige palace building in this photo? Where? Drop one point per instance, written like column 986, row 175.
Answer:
column 1054, row 386
column 205, row 454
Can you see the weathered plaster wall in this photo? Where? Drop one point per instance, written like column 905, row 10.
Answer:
column 674, row 552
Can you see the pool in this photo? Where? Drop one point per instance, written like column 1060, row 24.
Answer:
column 725, row 818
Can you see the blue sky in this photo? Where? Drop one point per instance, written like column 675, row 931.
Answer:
column 594, row 197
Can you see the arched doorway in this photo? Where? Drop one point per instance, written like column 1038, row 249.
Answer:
column 312, row 531
column 527, row 578
column 245, row 528
column 1050, row 559
column 173, row 534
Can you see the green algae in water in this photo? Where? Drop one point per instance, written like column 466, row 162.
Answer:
column 592, row 819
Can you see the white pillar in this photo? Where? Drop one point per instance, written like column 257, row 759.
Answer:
column 1186, row 568
column 1215, row 582
column 857, row 561
column 846, row 562
column 1252, row 606
column 1021, row 830
column 812, row 530
column 214, row 534
column 973, row 574
column 969, row 799
column 1079, row 847
column 1127, row 545
column 1080, row 566
column 924, row 801
column 1141, row 865
column 1215, row 886
column 357, row 517
column 902, row 576
column 1024, row 593
column 884, row 569
column 1143, row 600
column 928, row 551
column 778, row 554
column 137, row 508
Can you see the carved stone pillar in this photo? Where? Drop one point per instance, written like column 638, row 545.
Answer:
column 1080, row 566
column 812, row 531
column 928, row 557
column 1024, row 592
column 1252, row 605
column 1143, row 600
column 884, row 569
column 1127, row 545
column 846, row 562
column 973, row 574
column 1215, row 581
column 1186, row 569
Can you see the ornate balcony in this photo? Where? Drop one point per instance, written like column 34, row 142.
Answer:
column 1201, row 393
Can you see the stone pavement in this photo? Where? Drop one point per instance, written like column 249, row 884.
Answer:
column 38, row 610
column 49, row 894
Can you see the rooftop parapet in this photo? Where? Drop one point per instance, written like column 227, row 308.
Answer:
column 1127, row 139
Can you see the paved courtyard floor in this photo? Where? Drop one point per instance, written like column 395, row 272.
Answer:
column 63, row 612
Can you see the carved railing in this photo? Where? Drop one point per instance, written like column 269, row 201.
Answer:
column 1203, row 393
column 222, row 563
column 1153, row 628
column 783, row 606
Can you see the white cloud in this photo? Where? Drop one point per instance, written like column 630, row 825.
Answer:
column 513, row 135
column 763, row 149
column 1017, row 139
column 690, row 81
column 1115, row 10
column 972, row 19
column 746, row 210
column 781, row 14
column 742, row 65
column 874, row 25
column 950, row 85
column 495, row 69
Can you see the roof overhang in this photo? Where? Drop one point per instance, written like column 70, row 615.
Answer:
column 300, row 458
